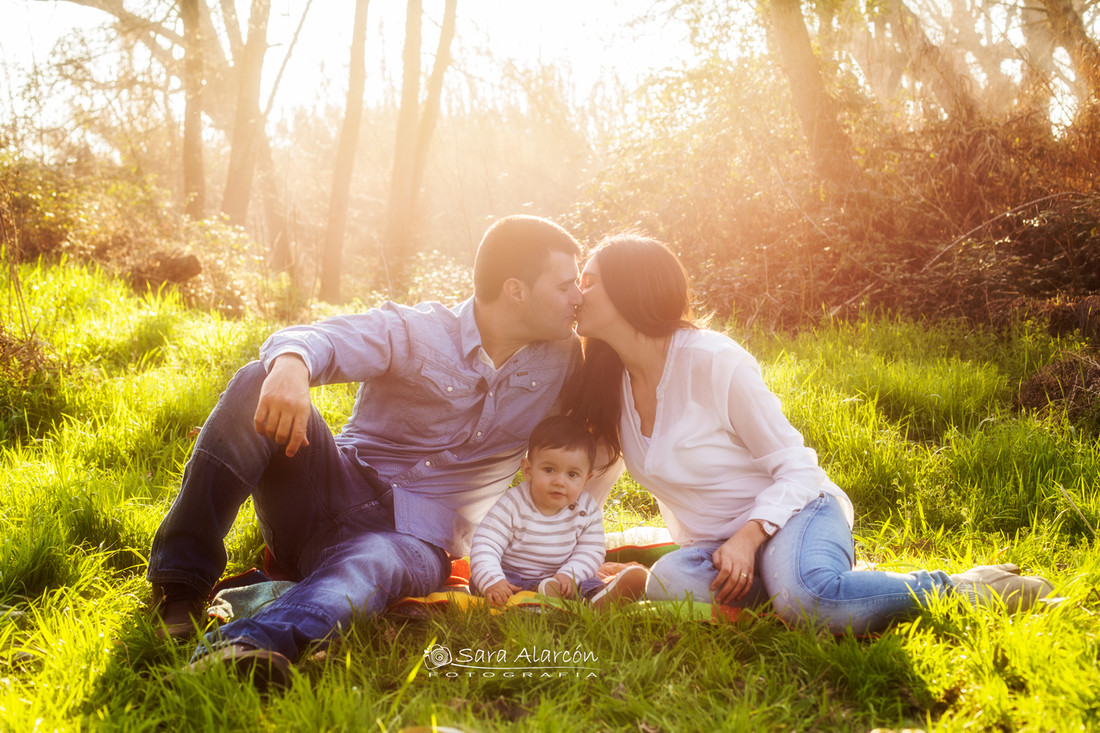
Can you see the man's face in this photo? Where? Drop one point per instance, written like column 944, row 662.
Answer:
column 556, row 476
column 554, row 296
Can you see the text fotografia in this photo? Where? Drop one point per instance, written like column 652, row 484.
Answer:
column 527, row 663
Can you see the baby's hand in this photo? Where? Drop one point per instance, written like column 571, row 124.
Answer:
column 498, row 593
column 568, row 587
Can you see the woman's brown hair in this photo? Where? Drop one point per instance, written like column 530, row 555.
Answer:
column 650, row 289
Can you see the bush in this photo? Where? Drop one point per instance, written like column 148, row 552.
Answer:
column 949, row 219
column 29, row 395
column 123, row 223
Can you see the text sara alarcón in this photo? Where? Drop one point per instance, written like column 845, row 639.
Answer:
column 527, row 655
column 528, row 662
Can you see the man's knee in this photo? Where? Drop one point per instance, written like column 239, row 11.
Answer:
column 242, row 394
column 248, row 379
column 400, row 564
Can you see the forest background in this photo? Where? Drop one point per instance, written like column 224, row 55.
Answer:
column 901, row 190
column 805, row 159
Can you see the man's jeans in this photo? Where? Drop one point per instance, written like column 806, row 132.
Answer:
column 806, row 571
column 327, row 520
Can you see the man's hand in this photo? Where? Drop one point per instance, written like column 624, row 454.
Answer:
column 736, row 563
column 284, row 408
column 499, row 592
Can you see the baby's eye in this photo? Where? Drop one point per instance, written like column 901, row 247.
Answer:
column 574, row 474
column 547, row 469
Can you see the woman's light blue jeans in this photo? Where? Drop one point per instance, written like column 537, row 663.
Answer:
column 806, row 571
column 327, row 520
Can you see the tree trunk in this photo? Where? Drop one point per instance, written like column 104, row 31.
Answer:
column 345, row 159
column 194, row 175
column 434, row 98
column 830, row 149
column 931, row 66
column 990, row 54
column 879, row 60
column 1035, row 91
column 232, row 28
column 279, row 255
column 275, row 215
column 247, row 123
column 1072, row 35
column 219, row 94
column 395, row 242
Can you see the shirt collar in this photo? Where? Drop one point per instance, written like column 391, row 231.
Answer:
column 470, row 336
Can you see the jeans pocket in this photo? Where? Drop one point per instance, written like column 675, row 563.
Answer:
column 375, row 515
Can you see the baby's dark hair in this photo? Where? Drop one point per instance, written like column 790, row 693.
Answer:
column 563, row 431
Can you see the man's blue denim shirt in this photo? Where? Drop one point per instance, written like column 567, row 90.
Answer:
column 432, row 417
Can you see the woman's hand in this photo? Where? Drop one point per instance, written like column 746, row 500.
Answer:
column 736, row 563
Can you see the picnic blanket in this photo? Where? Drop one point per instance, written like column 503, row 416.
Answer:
column 243, row 595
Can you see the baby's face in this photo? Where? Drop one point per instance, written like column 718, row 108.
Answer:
column 557, row 476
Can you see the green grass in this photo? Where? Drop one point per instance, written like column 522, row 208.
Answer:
column 914, row 420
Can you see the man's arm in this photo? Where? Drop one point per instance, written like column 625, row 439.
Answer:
column 284, row 407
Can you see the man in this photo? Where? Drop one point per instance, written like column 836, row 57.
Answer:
column 447, row 400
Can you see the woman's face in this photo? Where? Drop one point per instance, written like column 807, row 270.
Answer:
column 596, row 313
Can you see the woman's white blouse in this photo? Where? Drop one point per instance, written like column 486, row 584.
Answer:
column 721, row 450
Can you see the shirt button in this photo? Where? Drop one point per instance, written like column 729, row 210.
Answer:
column 490, row 394
column 427, row 463
column 450, row 389
column 534, row 384
column 479, row 433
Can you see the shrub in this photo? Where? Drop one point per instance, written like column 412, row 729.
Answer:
column 29, row 394
column 123, row 223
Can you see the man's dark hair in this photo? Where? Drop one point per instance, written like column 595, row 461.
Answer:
column 564, row 432
column 517, row 246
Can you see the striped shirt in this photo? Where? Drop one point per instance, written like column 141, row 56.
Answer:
column 516, row 537
column 436, row 422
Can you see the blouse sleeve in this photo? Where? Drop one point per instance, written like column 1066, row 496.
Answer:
column 775, row 446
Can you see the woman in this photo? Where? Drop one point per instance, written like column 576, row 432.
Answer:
column 755, row 515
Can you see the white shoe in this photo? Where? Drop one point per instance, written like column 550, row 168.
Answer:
column 628, row 585
column 987, row 585
column 550, row 588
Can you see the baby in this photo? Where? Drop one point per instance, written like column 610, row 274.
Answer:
column 547, row 534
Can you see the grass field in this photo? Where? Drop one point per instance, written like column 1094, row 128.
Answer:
column 915, row 421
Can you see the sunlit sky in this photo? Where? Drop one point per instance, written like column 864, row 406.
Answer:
column 591, row 39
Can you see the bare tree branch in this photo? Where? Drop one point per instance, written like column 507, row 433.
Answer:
column 286, row 59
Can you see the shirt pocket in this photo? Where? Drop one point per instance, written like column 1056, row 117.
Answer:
column 527, row 397
column 430, row 407
column 448, row 384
